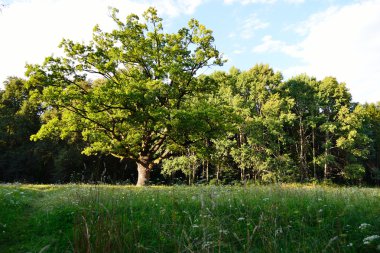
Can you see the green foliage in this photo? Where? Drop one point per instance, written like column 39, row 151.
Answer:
column 185, row 164
column 143, row 101
column 260, row 117
column 372, row 130
column 354, row 172
column 19, row 118
column 49, row 160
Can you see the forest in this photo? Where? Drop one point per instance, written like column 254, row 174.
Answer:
column 132, row 106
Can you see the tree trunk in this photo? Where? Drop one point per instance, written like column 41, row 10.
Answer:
column 302, row 155
column 217, row 174
column 326, row 156
column 143, row 169
column 207, row 171
column 193, row 174
column 314, row 165
column 203, row 169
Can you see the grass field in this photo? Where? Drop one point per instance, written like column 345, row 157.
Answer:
column 287, row 218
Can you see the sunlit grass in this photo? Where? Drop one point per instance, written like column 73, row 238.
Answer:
column 108, row 218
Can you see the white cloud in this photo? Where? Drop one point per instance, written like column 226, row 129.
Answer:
column 295, row 1
column 269, row 45
column 238, row 51
column 232, row 35
column 32, row 30
column 245, row 2
column 250, row 25
column 175, row 8
column 343, row 42
column 303, row 28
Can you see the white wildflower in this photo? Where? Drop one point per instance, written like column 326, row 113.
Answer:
column 364, row 226
column 241, row 218
column 371, row 238
column 206, row 244
column 350, row 244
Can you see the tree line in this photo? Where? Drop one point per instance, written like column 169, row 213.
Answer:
column 131, row 106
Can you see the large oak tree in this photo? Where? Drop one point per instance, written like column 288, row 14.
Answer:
column 141, row 105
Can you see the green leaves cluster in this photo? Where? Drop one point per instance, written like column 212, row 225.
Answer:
column 147, row 82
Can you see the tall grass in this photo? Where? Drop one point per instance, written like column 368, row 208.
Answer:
column 202, row 219
column 228, row 219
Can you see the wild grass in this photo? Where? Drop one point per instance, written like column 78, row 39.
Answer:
column 277, row 218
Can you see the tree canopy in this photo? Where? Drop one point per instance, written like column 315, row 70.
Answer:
column 142, row 106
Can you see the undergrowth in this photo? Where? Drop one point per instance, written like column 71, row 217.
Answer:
column 103, row 218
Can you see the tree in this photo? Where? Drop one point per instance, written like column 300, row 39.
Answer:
column 333, row 97
column 141, row 107
column 187, row 164
column 263, row 113
column 302, row 89
column 19, row 118
column 353, row 142
column 372, row 128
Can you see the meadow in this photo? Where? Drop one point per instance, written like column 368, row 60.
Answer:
column 105, row 218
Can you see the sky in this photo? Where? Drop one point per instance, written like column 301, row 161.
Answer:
column 339, row 38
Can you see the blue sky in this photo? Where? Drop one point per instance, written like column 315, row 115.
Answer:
column 338, row 38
